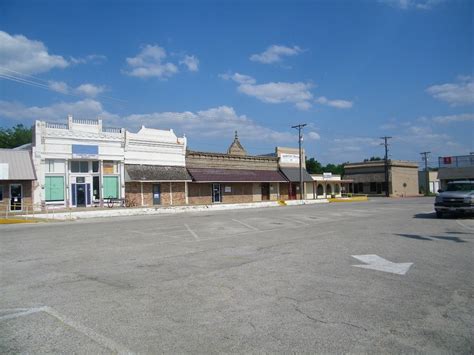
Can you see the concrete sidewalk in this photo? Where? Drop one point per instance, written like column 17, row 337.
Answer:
column 120, row 211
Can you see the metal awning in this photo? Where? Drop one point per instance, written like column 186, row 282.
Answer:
column 155, row 173
column 235, row 175
column 16, row 165
column 293, row 174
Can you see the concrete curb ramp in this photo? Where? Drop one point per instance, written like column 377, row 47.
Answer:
column 167, row 210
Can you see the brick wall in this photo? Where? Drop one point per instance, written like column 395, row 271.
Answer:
column 224, row 161
column 133, row 193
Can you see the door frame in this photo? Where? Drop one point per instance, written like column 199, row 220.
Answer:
column 220, row 193
column 21, row 197
column 153, row 194
column 85, row 194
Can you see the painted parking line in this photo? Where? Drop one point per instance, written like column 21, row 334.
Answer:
column 100, row 339
column 246, row 225
column 464, row 225
column 193, row 233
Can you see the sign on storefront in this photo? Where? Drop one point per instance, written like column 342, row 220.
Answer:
column 289, row 158
column 80, row 151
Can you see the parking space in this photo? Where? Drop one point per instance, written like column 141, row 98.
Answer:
column 382, row 276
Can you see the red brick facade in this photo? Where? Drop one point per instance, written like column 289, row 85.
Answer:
column 171, row 193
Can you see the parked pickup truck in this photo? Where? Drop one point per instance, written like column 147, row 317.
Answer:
column 458, row 198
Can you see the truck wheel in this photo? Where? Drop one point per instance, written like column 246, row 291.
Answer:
column 439, row 214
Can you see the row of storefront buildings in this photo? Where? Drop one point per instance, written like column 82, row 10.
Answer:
column 81, row 163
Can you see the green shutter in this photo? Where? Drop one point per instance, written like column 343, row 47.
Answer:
column 54, row 188
column 111, row 186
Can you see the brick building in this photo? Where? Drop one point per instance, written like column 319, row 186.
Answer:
column 155, row 172
column 233, row 177
column 369, row 177
column 17, row 179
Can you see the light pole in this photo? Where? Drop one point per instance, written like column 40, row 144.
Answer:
column 385, row 143
column 299, row 127
column 427, row 175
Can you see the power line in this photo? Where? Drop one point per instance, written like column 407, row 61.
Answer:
column 385, row 143
column 299, row 127
column 19, row 77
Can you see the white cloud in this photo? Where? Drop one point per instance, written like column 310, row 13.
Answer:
column 150, row 63
column 275, row 53
column 460, row 93
column 59, row 86
column 191, row 62
column 90, row 89
column 212, row 123
column 274, row 93
column 91, row 58
column 215, row 122
column 314, row 135
column 26, row 56
column 412, row 4
column 464, row 117
column 342, row 104
column 86, row 89
column 238, row 78
column 87, row 108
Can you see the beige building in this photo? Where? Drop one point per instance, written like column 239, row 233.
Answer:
column 232, row 177
column 433, row 181
column 369, row 177
column 289, row 163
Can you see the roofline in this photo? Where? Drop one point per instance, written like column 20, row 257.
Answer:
column 248, row 157
column 217, row 182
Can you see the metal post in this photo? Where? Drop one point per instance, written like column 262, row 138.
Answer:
column 385, row 143
column 300, row 139
column 427, row 175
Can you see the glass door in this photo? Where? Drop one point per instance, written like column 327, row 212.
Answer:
column 16, row 197
column 216, row 193
column 156, row 194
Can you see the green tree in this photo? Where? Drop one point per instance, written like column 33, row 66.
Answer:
column 313, row 166
column 15, row 136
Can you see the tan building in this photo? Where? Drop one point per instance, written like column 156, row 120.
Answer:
column 233, row 177
column 369, row 177
column 289, row 163
column 433, row 181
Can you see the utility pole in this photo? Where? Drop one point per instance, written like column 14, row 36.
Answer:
column 299, row 127
column 427, row 175
column 385, row 143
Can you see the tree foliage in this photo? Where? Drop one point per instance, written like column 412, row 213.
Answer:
column 15, row 136
column 315, row 167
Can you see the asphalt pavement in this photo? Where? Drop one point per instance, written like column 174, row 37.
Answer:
column 383, row 276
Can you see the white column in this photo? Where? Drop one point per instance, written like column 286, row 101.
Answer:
column 171, row 194
column 67, row 184
column 122, row 179
column 101, row 182
column 141, row 191
column 186, row 192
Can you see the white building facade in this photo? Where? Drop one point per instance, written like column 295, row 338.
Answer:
column 78, row 164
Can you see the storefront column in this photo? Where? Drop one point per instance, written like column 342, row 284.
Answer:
column 66, row 183
column 101, row 183
column 122, row 179
column 171, row 194
column 141, row 191
column 186, row 199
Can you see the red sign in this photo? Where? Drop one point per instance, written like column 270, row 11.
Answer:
column 447, row 160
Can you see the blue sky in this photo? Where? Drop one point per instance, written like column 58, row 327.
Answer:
column 352, row 70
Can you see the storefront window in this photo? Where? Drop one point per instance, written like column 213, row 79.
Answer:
column 54, row 166
column 54, row 188
column 110, row 186
column 95, row 166
column 1, row 192
column 79, row 166
column 110, row 167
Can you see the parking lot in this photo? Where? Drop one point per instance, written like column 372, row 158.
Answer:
column 279, row 279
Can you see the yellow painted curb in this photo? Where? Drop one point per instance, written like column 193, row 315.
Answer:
column 15, row 221
column 282, row 203
column 351, row 199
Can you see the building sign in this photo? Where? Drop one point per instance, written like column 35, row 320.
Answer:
column 85, row 151
column 228, row 189
column 461, row 161
column 3, row 171
column 289, row 158
column 327, row 175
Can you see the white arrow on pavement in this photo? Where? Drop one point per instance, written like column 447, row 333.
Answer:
column 375, row 262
